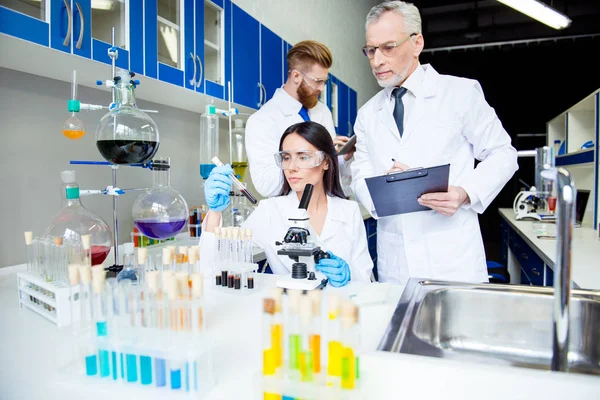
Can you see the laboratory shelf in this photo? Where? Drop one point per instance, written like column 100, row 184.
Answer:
column 581, row 157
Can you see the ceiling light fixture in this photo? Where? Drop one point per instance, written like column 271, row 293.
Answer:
column 539, row 11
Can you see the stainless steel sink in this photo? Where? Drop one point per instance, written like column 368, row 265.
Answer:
column 499, row 324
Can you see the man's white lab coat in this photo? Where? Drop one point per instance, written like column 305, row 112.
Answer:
column 448, row 121
column 343, row 234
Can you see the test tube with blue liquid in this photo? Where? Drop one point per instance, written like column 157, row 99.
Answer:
column 112, row 317
column 99, row 306
column 145, row 320
column 131, row 365
column 175, row 365
column 86, row 319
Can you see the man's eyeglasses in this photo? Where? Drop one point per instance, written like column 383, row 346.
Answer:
column 386, row 48
column 317, row 83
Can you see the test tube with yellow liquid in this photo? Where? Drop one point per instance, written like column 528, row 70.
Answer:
column 269, row 350
column 314, row 338
column 334, row 346
column 350, row 344
column 276, row 329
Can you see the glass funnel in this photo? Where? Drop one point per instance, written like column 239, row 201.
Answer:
column 74, row 220
column 161, row 212
column 126, row 135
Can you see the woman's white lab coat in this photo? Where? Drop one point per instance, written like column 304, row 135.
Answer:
column 450, row 123
column 343, row 234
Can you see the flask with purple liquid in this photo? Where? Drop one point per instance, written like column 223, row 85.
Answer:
column 161, row 212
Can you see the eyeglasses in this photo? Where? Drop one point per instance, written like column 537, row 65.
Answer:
column 386, row 48
column 303, row 159
column 319, row 83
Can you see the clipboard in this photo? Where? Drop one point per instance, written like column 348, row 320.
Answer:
column 348, row 146
column 397, row 193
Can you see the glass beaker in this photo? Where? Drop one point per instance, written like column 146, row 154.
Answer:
column 240, row 160
column 75, row 220
column 161, row 212
column 126, row 134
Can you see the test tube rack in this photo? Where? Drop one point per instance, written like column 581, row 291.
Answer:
column 174, row 360
column 51, row 300
column 338, row 373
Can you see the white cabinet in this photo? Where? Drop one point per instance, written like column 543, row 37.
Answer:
column 577, row 129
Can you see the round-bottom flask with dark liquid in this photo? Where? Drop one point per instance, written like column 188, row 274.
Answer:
column 161, row 212
column 126, row 134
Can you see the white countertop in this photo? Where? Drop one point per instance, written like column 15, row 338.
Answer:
column 585, row 252
column 33, row 351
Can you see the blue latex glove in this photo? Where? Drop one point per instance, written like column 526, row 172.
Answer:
column 217, row 188
column 335, row 269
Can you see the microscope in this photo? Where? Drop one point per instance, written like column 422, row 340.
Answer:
column 298, row 244
column 530, row 204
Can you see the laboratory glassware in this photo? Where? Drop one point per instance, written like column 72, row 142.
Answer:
column 75, row 220
column 160, row 212
column 237, row 184
column 349, row 362
column 240, row 159
column 334, row 346
column 126, row 134
column 238, row 211
column 73, row 128
column 209, row 140
column 129, row 271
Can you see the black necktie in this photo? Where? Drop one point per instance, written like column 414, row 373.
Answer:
column 399, row 108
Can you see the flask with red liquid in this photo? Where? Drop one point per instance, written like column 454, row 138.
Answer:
column 74, row 220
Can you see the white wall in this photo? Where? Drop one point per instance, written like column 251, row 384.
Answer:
column 339, row 24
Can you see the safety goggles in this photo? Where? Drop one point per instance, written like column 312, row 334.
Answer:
column 314, row 83
column 386, row 48
column 303, row 159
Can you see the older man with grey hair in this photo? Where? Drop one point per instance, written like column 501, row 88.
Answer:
column 423, row 119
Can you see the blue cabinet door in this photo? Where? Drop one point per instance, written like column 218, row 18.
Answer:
column 228, row 84
column 246, row 58
column 23, row 26
column 61, row 25
column 215, row 87
column 151, row 38
column 70, row 26
column 352, row 109
column 82, row 28
column 271, row 56
column 191, row 66
column 343, row 109
column 136, row 36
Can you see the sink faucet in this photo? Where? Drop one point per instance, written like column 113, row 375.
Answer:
column 565, row 213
